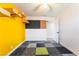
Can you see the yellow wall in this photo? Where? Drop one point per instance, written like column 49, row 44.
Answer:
column 11, row 33
column 7, row 5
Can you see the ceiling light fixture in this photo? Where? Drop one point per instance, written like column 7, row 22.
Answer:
column 45, row 5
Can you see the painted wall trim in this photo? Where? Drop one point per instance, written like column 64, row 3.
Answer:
column 15, row 48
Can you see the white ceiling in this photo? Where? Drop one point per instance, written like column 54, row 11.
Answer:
column 56, row 8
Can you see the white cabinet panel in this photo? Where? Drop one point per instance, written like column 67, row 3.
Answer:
column 36, row 35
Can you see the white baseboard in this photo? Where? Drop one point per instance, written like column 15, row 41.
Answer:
column 15, row 48
column 36, row 39
column 73, row 51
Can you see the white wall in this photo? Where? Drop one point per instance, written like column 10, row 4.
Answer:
column 36, row 34
column 69, row 28
column 42, row 34
column 39, row 18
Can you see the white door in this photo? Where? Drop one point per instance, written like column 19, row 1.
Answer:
column 52, row 30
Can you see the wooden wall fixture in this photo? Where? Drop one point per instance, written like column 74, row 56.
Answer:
column 10, row 11
column 42, row 24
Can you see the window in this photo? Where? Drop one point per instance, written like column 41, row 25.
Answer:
column 36, row 24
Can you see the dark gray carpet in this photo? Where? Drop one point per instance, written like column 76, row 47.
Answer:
column 28, row 48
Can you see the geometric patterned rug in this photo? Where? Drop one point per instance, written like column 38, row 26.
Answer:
column 41, row 48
